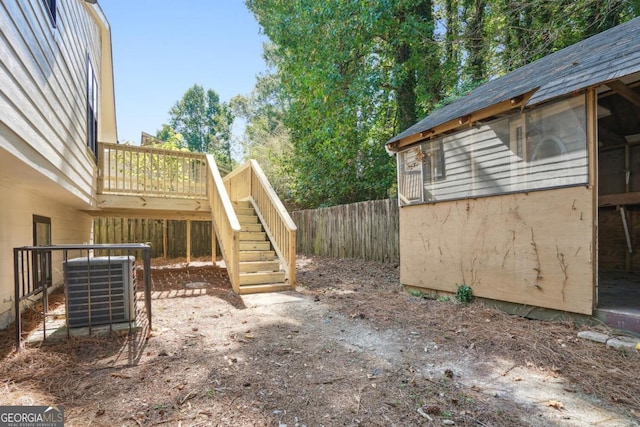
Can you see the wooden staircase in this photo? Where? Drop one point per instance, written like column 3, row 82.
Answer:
column 259, row 251
column 259, row 267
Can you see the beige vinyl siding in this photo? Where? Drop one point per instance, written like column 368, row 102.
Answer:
column 43, row 89
column 67, row 226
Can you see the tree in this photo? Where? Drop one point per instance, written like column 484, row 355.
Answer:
column 173, row 140
column 266, row 139
column 526, row 30
column 475, row 36
column 351, row 74
column 342, row 94
column 204, row 123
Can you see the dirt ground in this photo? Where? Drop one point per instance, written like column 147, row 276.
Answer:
column 348, row 348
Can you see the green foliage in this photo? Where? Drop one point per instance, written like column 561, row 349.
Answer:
column 517, row 32
column 266, row 139
column 171, row 140
column 464, row 294
column 339, row 93
column 416, row 293
column 203, row 122
column 349, row 75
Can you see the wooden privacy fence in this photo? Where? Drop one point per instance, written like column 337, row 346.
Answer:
column 365, row 230
column 168, row 238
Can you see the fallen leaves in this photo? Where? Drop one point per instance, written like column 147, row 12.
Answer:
column 555, row 404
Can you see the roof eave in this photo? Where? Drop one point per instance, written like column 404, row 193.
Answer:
column 469, row 120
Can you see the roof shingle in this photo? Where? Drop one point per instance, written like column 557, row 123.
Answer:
column 609, row 55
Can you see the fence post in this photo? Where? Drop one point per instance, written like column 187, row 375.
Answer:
column 164, row 239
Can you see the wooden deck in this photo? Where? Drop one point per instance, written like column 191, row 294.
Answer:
column 147, row 182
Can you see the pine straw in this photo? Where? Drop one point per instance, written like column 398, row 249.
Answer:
column 592, row 368
column 12, row 394
column 52, row 373
column 46, row 373
column 552, row 346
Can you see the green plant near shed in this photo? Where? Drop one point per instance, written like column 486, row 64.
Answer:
column 464, row 294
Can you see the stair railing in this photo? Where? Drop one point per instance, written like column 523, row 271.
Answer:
column 225, row 222
column 249, row 181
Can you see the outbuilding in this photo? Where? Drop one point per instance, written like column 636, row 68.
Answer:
column 528, row 188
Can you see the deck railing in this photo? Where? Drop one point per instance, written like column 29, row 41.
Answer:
column 225, row 222
column 249, row 181
column 147, row 171
column 134, row 170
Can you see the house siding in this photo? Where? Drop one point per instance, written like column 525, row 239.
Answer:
column 68, row 225
column 46, row 168
column 529, row 248
column 43, row 90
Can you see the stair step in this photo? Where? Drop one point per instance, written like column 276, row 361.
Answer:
column 253, row 235
column 245, row 211
column 242, row 204
column 273, row 287
column 251, row 227
column 262, row 278
column 257, row 256
column 256, row 266
column 255, row 246
column 248, row 219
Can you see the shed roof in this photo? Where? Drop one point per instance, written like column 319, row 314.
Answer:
column 607, row 56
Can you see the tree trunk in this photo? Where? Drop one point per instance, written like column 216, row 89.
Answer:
column 476, row 42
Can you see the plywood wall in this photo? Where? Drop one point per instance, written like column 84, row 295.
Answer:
column 530, row 248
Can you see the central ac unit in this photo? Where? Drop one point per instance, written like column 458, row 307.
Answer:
column 100, row 290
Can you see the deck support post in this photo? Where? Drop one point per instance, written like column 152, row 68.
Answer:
column 188, row 241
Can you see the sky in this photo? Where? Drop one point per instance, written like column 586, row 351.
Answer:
column 162, row 48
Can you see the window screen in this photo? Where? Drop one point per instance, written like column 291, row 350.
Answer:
column 540, row 148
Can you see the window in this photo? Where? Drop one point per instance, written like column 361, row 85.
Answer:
column 92, row 109
column 544, row 147
column 432, row 162
column 410, row 176
column 51, row 7
column 42, row 274
column 420, row 168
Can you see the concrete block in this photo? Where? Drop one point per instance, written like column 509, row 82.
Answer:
column 623, row 343
column 594, row 336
